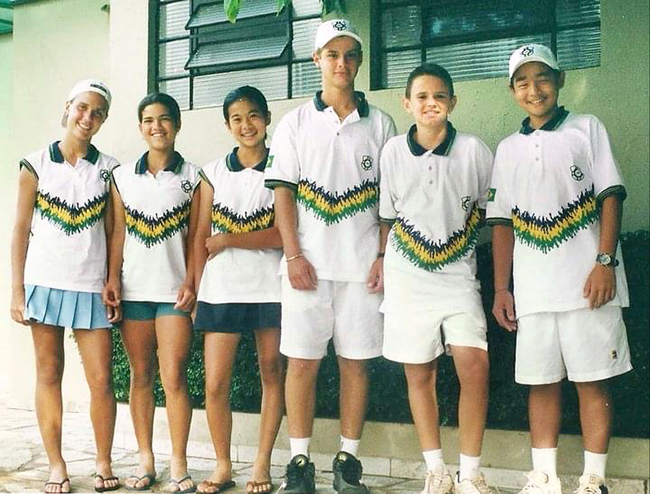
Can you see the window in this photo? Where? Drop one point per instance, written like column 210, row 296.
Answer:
column 198, row 56
column 473, row 40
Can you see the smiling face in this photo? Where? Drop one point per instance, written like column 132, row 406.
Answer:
column 158, row 128
column 339, row 62
column 430, row 101
column 84, row 115
column 536, row 88
column 247, row 124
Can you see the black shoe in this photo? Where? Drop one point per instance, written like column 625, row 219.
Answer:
column 347, row 474
column 299, row 477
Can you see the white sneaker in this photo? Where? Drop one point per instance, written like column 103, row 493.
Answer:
column 591, row 484
column 439, row 481
column 539, row 483
column 477, row 485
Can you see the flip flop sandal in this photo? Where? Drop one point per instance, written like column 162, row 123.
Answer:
column 60, row 484
column 148, row 476
column 252, row 484
column 217, row 486
column 178, row 483
column 104, row 480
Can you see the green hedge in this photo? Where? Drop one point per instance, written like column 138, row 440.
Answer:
column 508, row 401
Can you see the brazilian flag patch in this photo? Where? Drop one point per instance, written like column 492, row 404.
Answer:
column 492, row 193
column 269, row 161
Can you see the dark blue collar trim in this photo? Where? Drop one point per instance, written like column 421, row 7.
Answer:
column 552, row 124
column 92, row 155
column 175, row 165
column 441, row 150
column 362, row 104
column 234, row 165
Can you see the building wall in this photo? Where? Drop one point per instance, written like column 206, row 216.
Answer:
column 57, row 42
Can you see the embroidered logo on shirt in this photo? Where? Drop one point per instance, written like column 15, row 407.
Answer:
column 465, row 202
column 269, row 161
column 225, row 220
column 366, row 162
column 492, row 194
column 70, row 219
column 105, row 175
column 334, row 207
column 576, row 173
column 613, row 355
column 186, row 186
column 152, row 230
column 548, row 232
column 433, row 256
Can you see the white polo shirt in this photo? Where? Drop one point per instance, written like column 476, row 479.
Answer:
column 432, row 200
column 157, row 210
column 333, row 167
column 67, row 246
column 547, row 185
column 240, row 204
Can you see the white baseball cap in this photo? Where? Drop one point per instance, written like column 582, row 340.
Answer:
column 531, row 53
column 93, row 86
column 334, row 28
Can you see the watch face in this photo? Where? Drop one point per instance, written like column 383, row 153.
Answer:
column 604, row 259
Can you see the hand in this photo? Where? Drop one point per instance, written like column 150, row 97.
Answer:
column 504, row 310
column 185, row 298
column 18, row 306
column 302, row 274
column 111, row 299
column 216, row 244
column 376, row 276
column 600, row 287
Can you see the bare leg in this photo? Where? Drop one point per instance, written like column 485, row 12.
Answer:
column 49, row 356
column 421, row 379
column 220, row 351
column 472, row 367
column 595, row 415
column 271, row 366
column 354, row 396
column 96, row 351
column 139, row 341
column 300, row 396
column 545, row 413
column 174, row 335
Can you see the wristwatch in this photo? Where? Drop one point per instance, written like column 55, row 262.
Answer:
column 604, row 259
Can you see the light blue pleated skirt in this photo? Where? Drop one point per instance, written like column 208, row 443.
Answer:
column 65, row 308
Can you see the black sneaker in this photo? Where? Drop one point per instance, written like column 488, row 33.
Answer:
column 347, row 474
column 299, row 477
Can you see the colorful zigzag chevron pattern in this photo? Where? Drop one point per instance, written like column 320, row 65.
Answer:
column 547, row 233
column 225, row 220
column 332, row 208
column 433, row 256
column 151, row 230
column 70, row 219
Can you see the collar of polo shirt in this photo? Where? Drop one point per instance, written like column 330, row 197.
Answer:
column 234, row 165
column 359, row 96
column 174, row 166
column 55, row 153
column 552, row 124
column 441, row 150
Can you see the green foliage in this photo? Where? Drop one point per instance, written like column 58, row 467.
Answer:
column 508, row 401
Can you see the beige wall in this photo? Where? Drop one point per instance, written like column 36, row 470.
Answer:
column 57, row 42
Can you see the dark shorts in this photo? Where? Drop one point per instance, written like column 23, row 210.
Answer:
column 237, row 317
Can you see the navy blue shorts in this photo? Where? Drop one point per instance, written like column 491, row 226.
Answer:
column 237, row 317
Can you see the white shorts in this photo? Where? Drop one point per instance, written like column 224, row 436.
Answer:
column 420, row 337
column 342, row 311
column 584, row 345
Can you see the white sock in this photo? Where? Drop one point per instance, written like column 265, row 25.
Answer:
column 595, row 464
column 350, row 445
column 468, row 467
column 544, row 460
column 433, row 458
column 299, row 446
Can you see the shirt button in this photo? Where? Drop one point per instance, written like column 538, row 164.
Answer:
column 430, row 182
column 430, row 168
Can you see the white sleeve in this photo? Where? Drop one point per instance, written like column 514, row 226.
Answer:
column 283, row 165
column 499, row 203
column 387, row 211
column 604, row 169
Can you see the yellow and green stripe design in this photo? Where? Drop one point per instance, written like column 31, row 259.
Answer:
column 332, row 208
column 433, row 256
column 225, row 220
column 151, row 230
column 70, row 219
column 547, row 233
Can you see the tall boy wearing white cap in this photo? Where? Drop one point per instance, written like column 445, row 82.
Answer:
column 555, row 206
column 323, row 166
